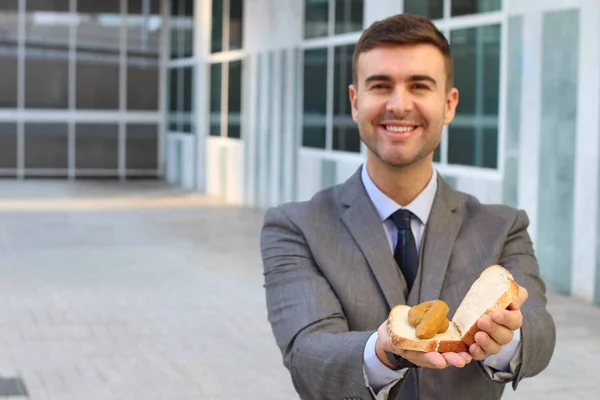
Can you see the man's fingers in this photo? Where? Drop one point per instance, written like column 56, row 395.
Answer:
column 489, row 345
column 466, row 356
column 512, row 320
column 520, row 299
column 437, row 360
column 455, row 359
column 477, row 352
column 500, row 334
column 425, row 360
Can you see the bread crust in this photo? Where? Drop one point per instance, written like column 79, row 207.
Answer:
column 456, row 346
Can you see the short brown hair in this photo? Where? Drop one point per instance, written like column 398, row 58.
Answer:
column 404, row 29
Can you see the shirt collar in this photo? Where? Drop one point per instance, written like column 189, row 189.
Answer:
column 420, row 206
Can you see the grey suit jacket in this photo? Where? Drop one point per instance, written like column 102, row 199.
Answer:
column 331, row 280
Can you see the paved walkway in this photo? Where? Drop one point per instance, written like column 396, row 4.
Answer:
column 141, row 291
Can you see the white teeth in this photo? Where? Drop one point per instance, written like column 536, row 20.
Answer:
column 400, row 128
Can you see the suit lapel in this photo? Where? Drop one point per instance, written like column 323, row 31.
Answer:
column 363, row 223
column 442, row 228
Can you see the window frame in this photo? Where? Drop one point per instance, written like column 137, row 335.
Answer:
column 179, row 64
column 446, row 25
column 330, row 43
column 225, row 24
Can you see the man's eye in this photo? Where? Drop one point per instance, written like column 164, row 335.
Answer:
column 379, row 86
column 421, row 86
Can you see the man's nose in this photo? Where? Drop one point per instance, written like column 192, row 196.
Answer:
column 400, row 102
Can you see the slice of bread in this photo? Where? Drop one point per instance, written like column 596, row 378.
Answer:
column 494, row 290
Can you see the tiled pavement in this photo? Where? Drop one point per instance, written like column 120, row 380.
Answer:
column 141, row 291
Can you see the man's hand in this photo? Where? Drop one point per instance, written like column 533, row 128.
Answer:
column 425, row 360
column 497, row 330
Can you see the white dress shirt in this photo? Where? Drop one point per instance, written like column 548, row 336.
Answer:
column 379, row 377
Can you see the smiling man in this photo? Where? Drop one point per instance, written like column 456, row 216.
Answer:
column 396, row 233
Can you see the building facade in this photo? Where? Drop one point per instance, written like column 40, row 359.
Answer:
column 272, row 117
column 79, row 88
column 247, row 100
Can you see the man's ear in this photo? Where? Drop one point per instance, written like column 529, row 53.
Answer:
column 353, row 94
column 451, row 103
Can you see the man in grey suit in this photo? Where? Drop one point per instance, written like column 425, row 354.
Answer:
column 396, row 233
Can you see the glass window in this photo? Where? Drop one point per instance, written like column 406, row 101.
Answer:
column 348, row 16
column 97, row 146
column 173, row 99
column 97, row 7
column 234, row 100
column 316, row 18
column 437, row 154
column 46, row 146
column 215, row 99
column 315, row 98
column 137, row 6
column 234, row 19
column 8, row 61
column 97, row 61
column 181, row 89
column 345, row 130
column 217, row 26
column 97, row 82
column 187, row 99
column 473, row 135
column 142, row 84
column 182, row 28
column 142, row 146
column 47, row 57
column 9, row 5
column 143, row 47
column 432, row 9
column 464, row 7
column 46, row 5
column 236, row 25
column 8, row 145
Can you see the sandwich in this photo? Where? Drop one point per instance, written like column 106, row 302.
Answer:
column 494, row 290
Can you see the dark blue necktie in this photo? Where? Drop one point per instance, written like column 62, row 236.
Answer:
column 406, row 248
column 407, row 259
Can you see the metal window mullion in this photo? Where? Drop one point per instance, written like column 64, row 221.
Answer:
column 226, row 21
column 444, row 146
column 502, row 101
column 331, row 19
column 329, row 101
column 447, row 10
column 183, row 62
column 21, row 89
column 122, row 91
column 72, row 92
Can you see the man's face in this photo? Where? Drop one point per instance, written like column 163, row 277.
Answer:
column 401, row 102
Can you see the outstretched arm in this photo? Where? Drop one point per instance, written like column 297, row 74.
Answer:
column 325, row 360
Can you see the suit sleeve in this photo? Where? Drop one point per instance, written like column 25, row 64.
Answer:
column 325, row 360
column 538, row 333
